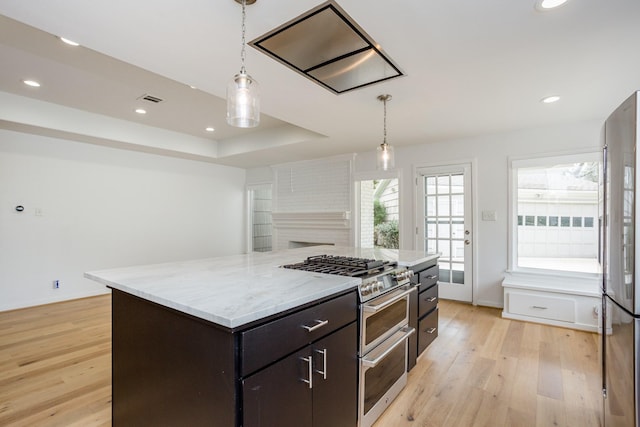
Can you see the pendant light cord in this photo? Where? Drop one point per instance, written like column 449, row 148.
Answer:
column 242, row 51
column 384, row 138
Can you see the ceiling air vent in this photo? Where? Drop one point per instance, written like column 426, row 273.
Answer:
column 327, row 46
column 151, row 98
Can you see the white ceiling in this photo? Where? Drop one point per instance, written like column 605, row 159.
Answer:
column 472, row 67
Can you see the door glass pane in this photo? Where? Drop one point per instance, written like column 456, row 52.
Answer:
column 443, row 248
column 457, row 229
column 443, row 184
column 445, row 273
column 457, row 248
column 443, row 205
column 457, row 205
column 430, row 185
column 457, row 183
column 444, row 229
column 430, row 206
column 457, row 273
column 431, row 228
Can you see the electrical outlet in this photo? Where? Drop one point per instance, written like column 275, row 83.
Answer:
column 56, row 284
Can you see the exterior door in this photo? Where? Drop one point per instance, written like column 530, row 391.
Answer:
column 445, row 225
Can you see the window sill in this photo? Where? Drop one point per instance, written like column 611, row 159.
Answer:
column 572, row 284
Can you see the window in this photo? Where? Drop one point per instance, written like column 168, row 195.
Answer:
column 378, row 213
column 260, row 226
column 554, row 206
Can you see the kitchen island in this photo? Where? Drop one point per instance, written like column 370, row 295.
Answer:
column 218, row 341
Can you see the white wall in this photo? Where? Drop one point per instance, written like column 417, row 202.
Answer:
column 103, row 208
column 312, row 187
column 490, row 155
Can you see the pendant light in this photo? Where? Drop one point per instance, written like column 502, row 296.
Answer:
column 385, row 151
column 243, row 97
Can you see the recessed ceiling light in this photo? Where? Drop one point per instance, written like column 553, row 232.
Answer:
column 69, row 42
column 141, row 111
column 550, row 99
column 549, row 4
column 209, row 129
column 31, row 83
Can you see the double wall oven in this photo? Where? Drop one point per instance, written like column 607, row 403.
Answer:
column 384, row 326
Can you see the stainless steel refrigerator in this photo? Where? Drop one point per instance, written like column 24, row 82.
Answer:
column 620, row 289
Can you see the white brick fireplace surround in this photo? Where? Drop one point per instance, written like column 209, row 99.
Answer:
column 296, row 229
column 313, row 203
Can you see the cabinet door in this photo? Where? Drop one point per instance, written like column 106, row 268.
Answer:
column 335, row 398
column 278, row 395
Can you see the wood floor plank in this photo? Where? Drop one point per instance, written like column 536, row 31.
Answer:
column 550, row 373
column 481, row 371
column 484, row 370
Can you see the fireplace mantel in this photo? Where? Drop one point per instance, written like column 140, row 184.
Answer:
column 340, row 220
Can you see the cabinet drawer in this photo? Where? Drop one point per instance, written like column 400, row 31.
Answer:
column 267, row 343
column 428, row 300
column 427, row 330
column 545, row 307
column 428, row 278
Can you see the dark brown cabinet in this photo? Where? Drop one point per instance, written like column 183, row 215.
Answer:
column 314, row 386
column 173, row 369
column 282, row 394
column 423, row 308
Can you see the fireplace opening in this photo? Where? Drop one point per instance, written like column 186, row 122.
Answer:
column 297, row 244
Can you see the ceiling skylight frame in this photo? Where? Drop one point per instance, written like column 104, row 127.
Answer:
column 376, row 56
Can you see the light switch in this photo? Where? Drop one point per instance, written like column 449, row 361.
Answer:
column 489, row 216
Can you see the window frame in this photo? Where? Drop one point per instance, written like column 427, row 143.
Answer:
column 541, row 160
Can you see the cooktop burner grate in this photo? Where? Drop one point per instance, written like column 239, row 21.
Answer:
column 344, row 266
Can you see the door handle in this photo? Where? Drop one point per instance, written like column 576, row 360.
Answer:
column 372, row 363
column 467, row 242
column 373, row 308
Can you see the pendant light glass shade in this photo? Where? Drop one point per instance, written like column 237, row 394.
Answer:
column 385, row 155
column 243, row 101
column 386, row 159
column 243, row 95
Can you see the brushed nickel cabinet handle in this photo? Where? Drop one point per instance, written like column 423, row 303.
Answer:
column 430, row 331
column 318, row 325
column 432, row 299
column 309, row 361
column 539, row 307
column 323, row 372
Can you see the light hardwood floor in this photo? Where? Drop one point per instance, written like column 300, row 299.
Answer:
column 482, row 370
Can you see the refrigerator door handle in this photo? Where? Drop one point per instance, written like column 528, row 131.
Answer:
column 602, row 235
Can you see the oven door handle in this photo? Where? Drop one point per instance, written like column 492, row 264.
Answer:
column 373, row 308
column 371, row 363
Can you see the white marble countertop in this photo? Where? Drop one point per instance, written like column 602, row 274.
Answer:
column 235, row 290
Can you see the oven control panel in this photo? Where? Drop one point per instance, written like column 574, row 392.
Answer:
column 374, row 286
